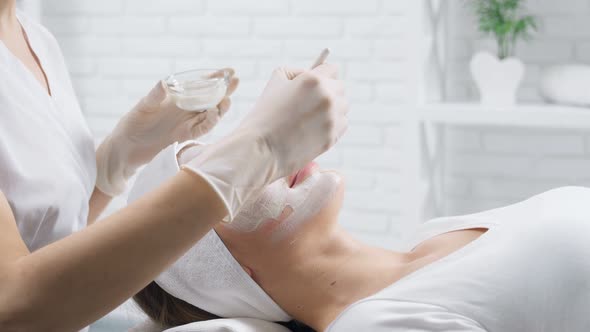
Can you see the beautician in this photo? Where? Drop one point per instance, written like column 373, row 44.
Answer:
column 60, row 271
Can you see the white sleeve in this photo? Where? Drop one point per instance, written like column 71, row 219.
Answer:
column 383, row 315
column 163, row 167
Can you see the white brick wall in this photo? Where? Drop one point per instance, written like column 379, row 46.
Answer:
column 117, row 49
column 489, row 167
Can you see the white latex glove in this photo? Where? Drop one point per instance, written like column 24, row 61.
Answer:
column 299, row 115
column 153, row 124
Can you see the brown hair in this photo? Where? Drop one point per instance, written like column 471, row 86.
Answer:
column 169, row 311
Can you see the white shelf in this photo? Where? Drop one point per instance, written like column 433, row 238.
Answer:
column 526, row 115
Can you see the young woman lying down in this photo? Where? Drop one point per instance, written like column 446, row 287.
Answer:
column 284, row 258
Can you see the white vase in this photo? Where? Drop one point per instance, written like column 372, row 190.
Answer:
column 497, row 80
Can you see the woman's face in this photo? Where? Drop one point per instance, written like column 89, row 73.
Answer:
column 296, row 208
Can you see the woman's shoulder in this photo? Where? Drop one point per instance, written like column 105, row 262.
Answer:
column 567, row 193
column 32, row 26
column 559, row 199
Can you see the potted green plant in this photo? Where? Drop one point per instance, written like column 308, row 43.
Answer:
column 498, row 76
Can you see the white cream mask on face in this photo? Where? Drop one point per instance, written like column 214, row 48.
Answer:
column 301, row 202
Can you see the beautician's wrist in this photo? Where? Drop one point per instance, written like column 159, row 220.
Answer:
column 113, row 169
column 237, row 167
column 197, row 194
column 186, row 153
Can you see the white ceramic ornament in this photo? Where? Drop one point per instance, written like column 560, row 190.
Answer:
column 566, row 84
column 497, row 80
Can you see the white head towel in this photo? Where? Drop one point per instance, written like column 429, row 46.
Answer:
column 207, row 276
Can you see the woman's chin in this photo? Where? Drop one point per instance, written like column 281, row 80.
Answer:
column 335, row 203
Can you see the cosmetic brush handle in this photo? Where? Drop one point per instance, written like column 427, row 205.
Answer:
column 322, row 58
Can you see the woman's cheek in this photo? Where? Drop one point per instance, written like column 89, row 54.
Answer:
column 269, row 226
column 280, row 210
column 270, row 205
column 307, row 201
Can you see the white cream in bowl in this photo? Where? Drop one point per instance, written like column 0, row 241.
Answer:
column 198, row 90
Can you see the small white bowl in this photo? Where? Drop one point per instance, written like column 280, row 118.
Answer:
column 198, row 90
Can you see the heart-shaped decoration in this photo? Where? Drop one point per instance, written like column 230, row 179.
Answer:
column 497, row 80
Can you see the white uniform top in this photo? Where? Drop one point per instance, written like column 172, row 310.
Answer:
column 47, row 156
column 529, row 272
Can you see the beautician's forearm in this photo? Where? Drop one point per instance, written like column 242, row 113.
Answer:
column 98, row 202
column 72, row 282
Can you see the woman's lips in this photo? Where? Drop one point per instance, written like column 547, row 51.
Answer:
column 303, row 174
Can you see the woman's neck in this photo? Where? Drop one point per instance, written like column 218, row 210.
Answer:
column 8, row 21
column 329, row 274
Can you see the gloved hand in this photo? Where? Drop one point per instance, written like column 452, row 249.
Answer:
column 299, row 115
column 154, row 123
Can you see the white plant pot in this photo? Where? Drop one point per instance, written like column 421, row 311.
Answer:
column 497, row 80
